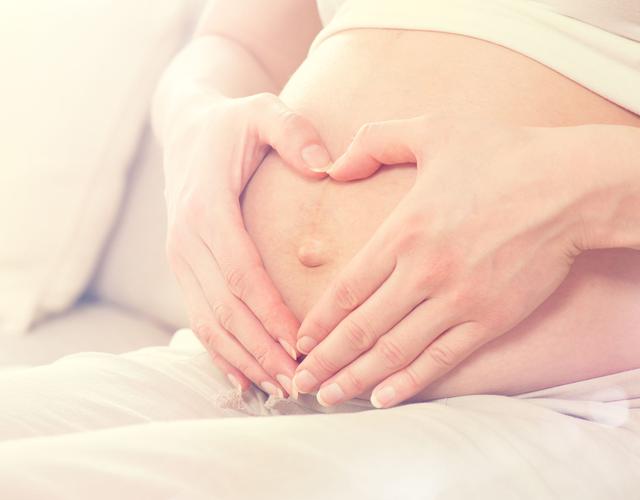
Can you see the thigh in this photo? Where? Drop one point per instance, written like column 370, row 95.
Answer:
column 95, row 390
column 480, row 447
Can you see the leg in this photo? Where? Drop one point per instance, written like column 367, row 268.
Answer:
column 480, row 447
column 94, row 390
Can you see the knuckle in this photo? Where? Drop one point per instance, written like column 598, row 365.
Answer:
column 367, row 130
column 442, row 355
column 262, row 98
column 345, row 296
column 425, row 281
column 313, row 327
column 412, row 233
column 257, row 102
column 392, row 354
column 437, row 270
column 223, row 314
column 354, row 382
column 237, row 281
column 207, row 334
column 262, row 354
column 388, row 149
column 412, row 379
column 290, row 122
column 274, row 316
column 244, row 366
column 464, row 298
column 271, row 318
column 358, row 334
column 416, row 220
column 268, row 356
column 325, row 364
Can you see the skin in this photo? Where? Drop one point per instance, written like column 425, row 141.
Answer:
column 594, row 311
column 216, row 115
column 464, row 260
column 247, row 48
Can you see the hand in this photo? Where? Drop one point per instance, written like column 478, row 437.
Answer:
column 483, row 237
column 233, row 306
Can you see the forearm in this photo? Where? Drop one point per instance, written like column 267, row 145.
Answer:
column 611, row 208
column 211, row 67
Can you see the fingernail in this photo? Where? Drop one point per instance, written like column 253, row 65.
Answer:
column 306, row 344
column 316, row 157
column 269, row 388
column 287, row 347
column 234, row 382
column 304, row 381
column 330, row 395
column 285, row 382
column 383, row 397
column 294, row 391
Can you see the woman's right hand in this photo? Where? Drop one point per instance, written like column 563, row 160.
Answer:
column 210, row 153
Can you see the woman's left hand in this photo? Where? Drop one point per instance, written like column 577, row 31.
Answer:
column 488, row 231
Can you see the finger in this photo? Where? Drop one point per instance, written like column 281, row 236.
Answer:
column 442, row 355
column 215, row 338
column 234, row 316
column 241, row 266
column 392, row 352
column 293, row 137
column 379, row 143
column 364, row 274
column 220, row 344
column 360, row 330
column 235, row 377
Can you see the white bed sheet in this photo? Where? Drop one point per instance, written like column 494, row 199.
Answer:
column 162, row 423
column 91, row 326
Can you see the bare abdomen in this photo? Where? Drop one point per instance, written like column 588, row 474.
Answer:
column 589, row 327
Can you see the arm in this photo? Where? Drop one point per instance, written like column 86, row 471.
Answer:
column 489, row 230
column 240, row 48
column 217, row 117
column 611, row 206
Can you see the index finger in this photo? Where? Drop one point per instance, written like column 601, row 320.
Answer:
column 362, row 276
column 240, row 264
column 380, row 143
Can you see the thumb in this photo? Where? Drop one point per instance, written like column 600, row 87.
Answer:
column 294, row 138
column 376, row 144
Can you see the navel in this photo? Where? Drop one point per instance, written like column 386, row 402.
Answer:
column 312, row 252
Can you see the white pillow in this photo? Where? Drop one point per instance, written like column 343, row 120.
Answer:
column 76, row 82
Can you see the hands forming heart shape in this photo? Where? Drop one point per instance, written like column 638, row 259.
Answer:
column 489, row 230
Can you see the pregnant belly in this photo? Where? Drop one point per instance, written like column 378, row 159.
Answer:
column 306, row 231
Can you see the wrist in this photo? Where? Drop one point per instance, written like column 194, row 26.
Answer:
column 179, row 104
column 208, row 70
column 608, row 157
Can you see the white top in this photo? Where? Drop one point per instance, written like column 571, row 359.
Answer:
column 594, row 42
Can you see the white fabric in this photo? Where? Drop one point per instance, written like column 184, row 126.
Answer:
column 594, row 42
column 77, row 78
column 621, row 17
column 162, row 423
column 87, row 327
column 134, row 272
